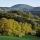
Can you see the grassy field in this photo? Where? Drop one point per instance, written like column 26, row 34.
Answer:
column 19, row 38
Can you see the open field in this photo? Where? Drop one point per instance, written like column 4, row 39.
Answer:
column 19, row 38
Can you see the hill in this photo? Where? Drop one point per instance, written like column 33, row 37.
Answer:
column 23, row 8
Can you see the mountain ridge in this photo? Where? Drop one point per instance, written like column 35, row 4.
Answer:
column 22, row 7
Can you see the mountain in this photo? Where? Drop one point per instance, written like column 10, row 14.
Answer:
column 36, row 11
column 22, row 7
column 27, row 8
column 4, row 8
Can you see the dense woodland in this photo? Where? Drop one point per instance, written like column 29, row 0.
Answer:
column 18, row 23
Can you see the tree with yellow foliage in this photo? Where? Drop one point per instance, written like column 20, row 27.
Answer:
column 12, row 27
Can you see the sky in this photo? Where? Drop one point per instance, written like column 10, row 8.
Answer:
column 9, row 3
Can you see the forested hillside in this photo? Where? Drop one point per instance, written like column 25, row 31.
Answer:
column 18, row 23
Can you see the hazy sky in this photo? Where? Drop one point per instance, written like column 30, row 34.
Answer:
column 8, row 3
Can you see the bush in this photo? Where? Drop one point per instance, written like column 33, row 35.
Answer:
column 12, row 27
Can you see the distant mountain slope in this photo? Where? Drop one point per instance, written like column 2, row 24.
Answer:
column 27, row 8
column 22, row 7
column 36, row 11
column 4, row 8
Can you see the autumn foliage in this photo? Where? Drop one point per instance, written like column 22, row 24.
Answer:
column 12, row 27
